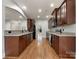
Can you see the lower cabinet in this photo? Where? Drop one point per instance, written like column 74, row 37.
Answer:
column 64, row 45
column 22, row 43
column 55, row 43
column 11, row 45
column 15, row 45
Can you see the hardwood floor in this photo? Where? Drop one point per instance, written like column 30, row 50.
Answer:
column 40, row 50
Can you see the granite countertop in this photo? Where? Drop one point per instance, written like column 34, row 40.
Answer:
column 62, row 34
column 16, row 34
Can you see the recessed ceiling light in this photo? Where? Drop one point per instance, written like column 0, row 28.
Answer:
column 51, row 5
column 39, row 10
column 24, row 7
column 38, row 16
column 47, row 16
column 20, row 16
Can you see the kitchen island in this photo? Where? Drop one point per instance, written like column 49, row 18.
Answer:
column 15, row 43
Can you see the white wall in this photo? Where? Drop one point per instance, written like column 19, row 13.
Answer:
column 3, row 23
column 44, row 26
column 68, row 28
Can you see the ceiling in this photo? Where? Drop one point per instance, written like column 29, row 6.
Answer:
column 32, row 7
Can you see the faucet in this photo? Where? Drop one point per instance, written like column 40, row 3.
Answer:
column 60, row 30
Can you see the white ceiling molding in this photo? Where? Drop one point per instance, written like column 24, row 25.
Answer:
column 12, row 5
column 16, row 9
column 16, row 3
column 12, row 14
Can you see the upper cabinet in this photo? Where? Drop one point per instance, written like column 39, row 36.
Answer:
column 70, row 10
column 65, row 14
column 52, row 22
column 55, row 17
column 59, row 22
column 30, row 24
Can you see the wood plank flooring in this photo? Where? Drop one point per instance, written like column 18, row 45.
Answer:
column 40, row 50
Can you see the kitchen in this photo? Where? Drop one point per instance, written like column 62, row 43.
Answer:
column 50, row 23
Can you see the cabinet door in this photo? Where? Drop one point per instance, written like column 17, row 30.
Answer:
column 63, row 14
column 71, row 11
column 59, row 22
column 50, row 23
column 55, row 43
column 30, row 23
column 55, row 18
column 52, row 41
column 28, row 39
column 67, row 47
column 22, row 43
column 11, row 46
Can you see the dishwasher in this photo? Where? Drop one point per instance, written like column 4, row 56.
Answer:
column 48, row 34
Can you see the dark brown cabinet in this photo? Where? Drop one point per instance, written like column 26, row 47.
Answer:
column 59, row 21
column 70, row 10
column 29, row 39
column 66, row 13
column 30, row 23
column 22, row 43
column 55, row 43
column 15, row 45
column 67, row 46
column 54, row 18
column 63, row 14
column 11, row 46
column 64, row 45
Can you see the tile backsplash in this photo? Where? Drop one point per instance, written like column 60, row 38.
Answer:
column 67, row 28
column 14, row 31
